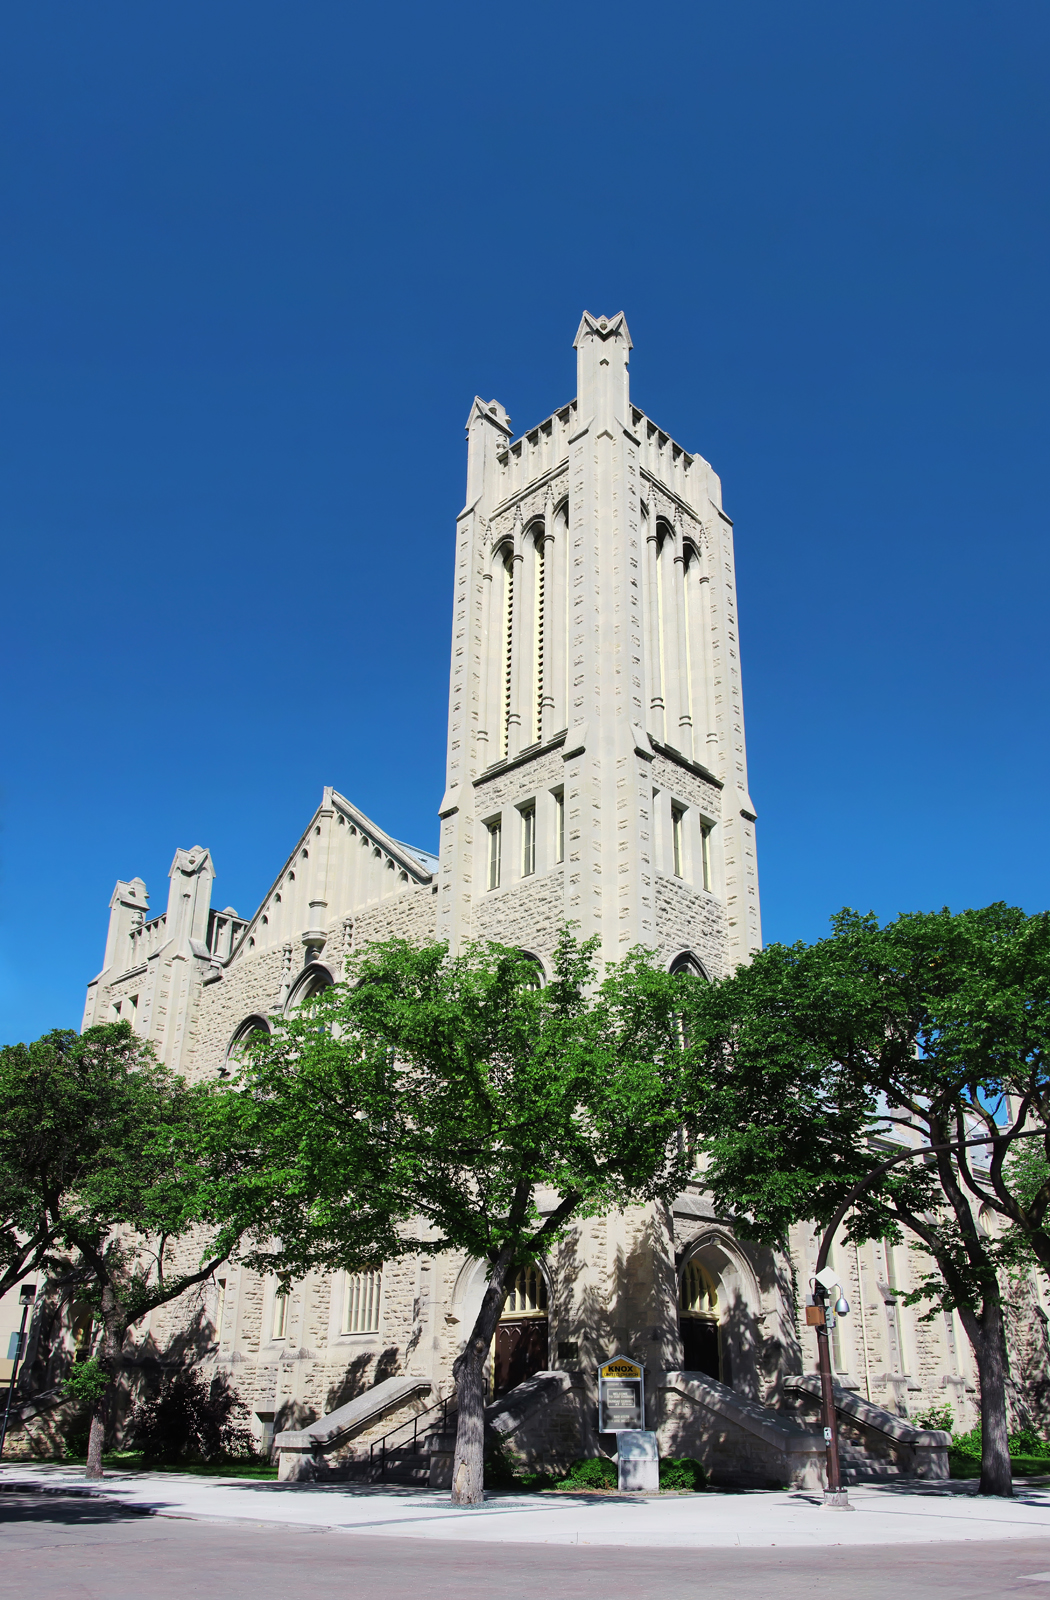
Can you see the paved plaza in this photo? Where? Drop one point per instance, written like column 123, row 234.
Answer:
column 883, row 1514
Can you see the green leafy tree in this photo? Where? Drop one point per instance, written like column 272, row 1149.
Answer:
column 438, row 1102
column 105, row 1155
column 817, row 1064
column 55, row 1097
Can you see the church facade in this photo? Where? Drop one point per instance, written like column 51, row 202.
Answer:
column 596, row 774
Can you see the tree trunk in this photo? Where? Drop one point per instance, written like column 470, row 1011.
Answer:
column 996, row 1476
column 468, row 1463
column 115, row 1330
column 96, row 1438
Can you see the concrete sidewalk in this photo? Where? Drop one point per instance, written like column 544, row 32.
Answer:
column 884, row 1513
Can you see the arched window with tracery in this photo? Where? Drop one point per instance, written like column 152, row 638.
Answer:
column 362, row 1292
column 252, row 1027
column 507, row 648
column 536, row 544
column 537, row 977
column 313, row 978
column 687, row 962
column 522, row 1340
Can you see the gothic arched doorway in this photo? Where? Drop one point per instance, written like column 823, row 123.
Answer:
column 699, row 1315
column 521, row 1346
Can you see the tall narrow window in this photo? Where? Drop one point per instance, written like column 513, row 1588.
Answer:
column 705, row 852
column 528, row 841
column 508, row 652
column 559, row 825
column 495, row 853
column 280, row 1316
column 676, row 838
column 220, row 1306
column 361, row 1296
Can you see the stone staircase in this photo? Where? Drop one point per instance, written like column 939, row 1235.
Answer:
column 874, row 1444
column 343, row 1444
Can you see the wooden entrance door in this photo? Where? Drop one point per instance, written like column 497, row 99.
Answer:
column 521, row 1350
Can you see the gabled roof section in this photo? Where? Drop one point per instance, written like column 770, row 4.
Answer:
column 342, row 863
column 406, row 855
column 490, row 411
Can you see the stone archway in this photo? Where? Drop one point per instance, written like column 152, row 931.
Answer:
column 719, row 1311
column 521, row 1347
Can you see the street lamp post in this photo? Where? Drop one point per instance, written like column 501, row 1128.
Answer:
column 835, row 1494
column 26, row 1297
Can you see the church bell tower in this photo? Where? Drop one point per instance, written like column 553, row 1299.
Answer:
column 596, row 762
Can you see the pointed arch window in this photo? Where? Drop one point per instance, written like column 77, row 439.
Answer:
column 527, row 1293
column 507, row 653
column 313, row 978
column 252, row 1027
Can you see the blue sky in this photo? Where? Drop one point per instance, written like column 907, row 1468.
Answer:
column 259, row 258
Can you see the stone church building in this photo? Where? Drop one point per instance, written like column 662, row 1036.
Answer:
column 596, row 774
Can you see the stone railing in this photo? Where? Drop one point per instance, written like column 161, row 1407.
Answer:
column 336, row 1445
column 873, row 1443
column 741, row 1442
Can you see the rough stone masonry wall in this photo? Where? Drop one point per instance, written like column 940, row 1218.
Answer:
column 733, row 1456
column 253, row 982
column 317, row 1368
column 688, row 919
column 250, row 985
column 527, row 914
column 412, row 915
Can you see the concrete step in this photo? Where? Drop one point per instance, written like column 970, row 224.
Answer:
column 404, row 1465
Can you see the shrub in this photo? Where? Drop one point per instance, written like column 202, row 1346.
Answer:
column 941, row 1417
column 503, row 1471
column 682, row 1472
column 594, row 1472
column 1028, row 1452
column 1028, row 1443
column 191, row 1420
column 75, row 1439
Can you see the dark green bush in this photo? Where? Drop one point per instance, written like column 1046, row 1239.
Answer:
column 1029, row 1454
column 682, row 1472
column 75, row 1439
column 1028, row 1443
column 594, row 1472
column 191, row 1420
column 504, row 1472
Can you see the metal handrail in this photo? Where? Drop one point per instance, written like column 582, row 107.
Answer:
column 381, row 1444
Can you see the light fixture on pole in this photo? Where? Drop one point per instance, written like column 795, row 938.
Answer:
column 825, row 1282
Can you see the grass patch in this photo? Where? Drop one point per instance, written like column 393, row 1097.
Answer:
column 966, row 1466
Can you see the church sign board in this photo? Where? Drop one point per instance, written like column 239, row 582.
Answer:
column 621, row 1395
